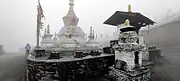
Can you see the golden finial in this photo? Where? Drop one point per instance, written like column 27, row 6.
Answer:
column 127, row 23
column 48, row 28
column 129, row 8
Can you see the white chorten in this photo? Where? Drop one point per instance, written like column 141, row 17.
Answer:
column 47, row 40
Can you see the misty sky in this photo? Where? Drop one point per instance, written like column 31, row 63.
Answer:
column 18, row 17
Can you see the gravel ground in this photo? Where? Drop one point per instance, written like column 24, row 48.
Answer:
column 12, row 67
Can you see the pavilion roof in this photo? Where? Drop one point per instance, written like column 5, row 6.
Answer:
column 136, row 19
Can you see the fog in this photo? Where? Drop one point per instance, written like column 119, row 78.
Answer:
column 18, row 27
column 18, row 17
column 164, row 35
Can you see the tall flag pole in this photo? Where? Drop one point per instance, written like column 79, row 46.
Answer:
column 40, row 15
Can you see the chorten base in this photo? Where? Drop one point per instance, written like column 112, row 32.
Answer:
column 140, row 75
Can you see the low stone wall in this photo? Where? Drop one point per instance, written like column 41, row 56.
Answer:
column 79, row 70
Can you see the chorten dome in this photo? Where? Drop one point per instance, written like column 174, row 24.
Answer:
column 70, row 26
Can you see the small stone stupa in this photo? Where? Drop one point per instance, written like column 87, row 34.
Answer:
column 129, row 47
column 128, row 56
column 128, row 50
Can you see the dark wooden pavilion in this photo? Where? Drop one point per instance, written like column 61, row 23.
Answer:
column 136, row 19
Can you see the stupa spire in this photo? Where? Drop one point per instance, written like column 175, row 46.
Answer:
column 70, row 19
column 91, row 34
column 71, row 2
column 71, row 9
column 91, row 31
column 48, row 29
